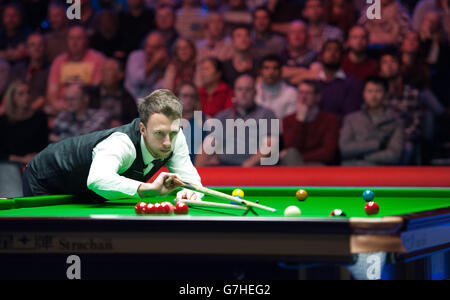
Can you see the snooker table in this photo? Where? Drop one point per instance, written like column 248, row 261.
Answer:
column 413, row 224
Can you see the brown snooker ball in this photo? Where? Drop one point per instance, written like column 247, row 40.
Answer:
column 301, row 195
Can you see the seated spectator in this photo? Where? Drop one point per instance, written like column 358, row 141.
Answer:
column 79, row 63
column 182, row 66
column 23, row 130
column 145, row 68
column 265, row 42
column 374, row 135
column 283, row 12
column 236, row 14
column 215, row 94
column 79, row 119
column 245, row 149
column 55, row 39
column 193, row 129
column 319, row 31
column 112, row 97
column 4, row 76
column 165, row 24
column 87, row 19
column 297, row 57
column 341, row 13
column 272, row 92
column 405, row 101
column 310, row 135
column 34, row 70
column 242, row 61
column 356, row 61
column 13, row 34
column 215, row 44
column 425, row 6
column 341, row 93
column 391, row 28
column 191, row 20
column 414, row 68
column 106, row 38
column 135, row 24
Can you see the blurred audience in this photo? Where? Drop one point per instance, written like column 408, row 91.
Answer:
column 272, row 92
column 191, row 19
column 13, row 33
column 56, row 37
column 215, row 43
column 236, row 14
column 79, row 64
column 215, row 94
column 111, row 95
column 425, row 6
column 356, row 61
column 265, row 42
column 310, row 134
column 165, row 24
column 145, row 68
column 4, row 76
column 247, row 145
column 318, row 30
column 182, row 66
column 106, row 38
column 341, row 13
column 78, row 119
column 374, row 135
column 391, row 28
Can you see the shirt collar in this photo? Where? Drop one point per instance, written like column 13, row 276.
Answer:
column 146, row 156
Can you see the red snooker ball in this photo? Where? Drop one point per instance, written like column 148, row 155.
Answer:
column 167, row 208
column 139, row 208
column 371, row 208
column 181, row 208
column 148, row 209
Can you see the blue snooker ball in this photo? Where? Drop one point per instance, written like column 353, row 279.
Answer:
column 234, row 202
column 368, row 195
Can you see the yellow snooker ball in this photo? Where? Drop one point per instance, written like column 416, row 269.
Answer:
column 238, row 192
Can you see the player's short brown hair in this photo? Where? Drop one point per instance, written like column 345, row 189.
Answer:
column 160, row 101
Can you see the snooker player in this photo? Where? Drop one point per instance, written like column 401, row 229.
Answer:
column 117, row 163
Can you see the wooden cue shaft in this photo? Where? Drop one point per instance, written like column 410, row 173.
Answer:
column 213, row 204
column 222, row 195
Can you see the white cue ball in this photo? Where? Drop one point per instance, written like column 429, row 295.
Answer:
column 292, row 211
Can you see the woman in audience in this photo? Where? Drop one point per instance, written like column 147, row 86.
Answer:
column 183, row 65
column 215, row 94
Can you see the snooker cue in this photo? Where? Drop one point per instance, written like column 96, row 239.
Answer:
column 220, row 195
column 213, row 204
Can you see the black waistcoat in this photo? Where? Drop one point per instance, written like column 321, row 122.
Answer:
column 63, row 167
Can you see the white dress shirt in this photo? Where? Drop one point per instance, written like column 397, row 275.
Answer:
column 115, row 155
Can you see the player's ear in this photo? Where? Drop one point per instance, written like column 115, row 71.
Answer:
column 142, row 128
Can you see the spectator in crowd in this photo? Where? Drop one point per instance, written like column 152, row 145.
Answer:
column 193, row 129
column 265, row 42
column 87, row 15
column 341, row 13
column 298, row 58
column 248, row 145
column 436, row 49
column 106, row 38
column 236, row 14
column 318, row 30
column 213, row 6
column 425, row 6
column 23, row 130
column 272, row 92
column 145, row 68
column 34, row 71
column 78, row 119
column 112, row 97
column 135, row 24
column 215, row 94
column 310, row 134
column 165, row 24
column 415, row 71
column 182, row 66
column 391, row 28
column 242, row 61
column 341, row 93
column 55, row 39
column 13, row 34
column 405, row 101
column 356, row 61
column 283, row 12
column 79, row 63
column 374, row 135
column 4, row 76
column 191, row 20
column 216, row 43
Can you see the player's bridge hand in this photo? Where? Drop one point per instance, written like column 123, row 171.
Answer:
column 187, row 195
column 163, row 184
